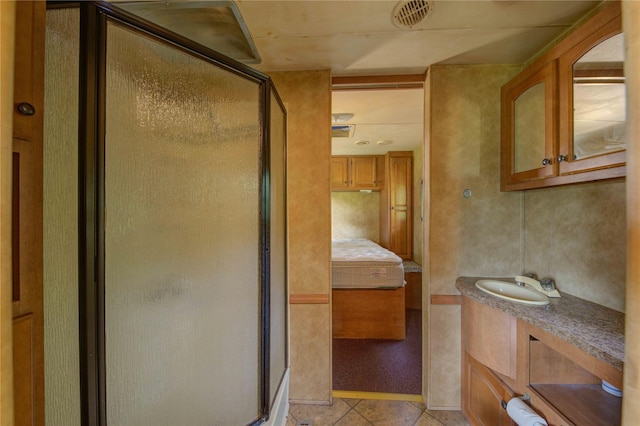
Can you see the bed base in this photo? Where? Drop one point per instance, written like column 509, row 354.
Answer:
column 369, row 313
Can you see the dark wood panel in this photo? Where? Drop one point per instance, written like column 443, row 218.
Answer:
column 584, row 405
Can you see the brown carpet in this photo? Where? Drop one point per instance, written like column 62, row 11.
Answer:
column 376, row 365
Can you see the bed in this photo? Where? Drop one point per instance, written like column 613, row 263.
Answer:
column 367, row 290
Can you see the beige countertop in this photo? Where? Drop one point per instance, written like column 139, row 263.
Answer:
column 593, row 328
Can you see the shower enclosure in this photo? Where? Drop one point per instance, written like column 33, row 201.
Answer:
column 181, row 207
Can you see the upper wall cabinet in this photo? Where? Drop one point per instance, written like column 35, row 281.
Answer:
column 563, row 117
column 357, row 173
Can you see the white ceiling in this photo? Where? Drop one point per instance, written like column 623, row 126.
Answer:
column 394, row 115
column 358, row 38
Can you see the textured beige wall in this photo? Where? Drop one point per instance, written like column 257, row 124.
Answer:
column 60, row 208
column 418, row 168
column 577, row 235
column 355, row 215
column 631, row 408
column 307, row 96
column 467, row 236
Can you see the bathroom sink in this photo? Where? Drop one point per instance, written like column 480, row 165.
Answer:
column 510, row 291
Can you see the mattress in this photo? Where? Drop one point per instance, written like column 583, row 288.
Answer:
column 361, row 263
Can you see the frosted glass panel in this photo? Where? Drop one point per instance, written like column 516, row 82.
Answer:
column 278, row 308
column 60, row 209
column 181, row 238
column 529, row 131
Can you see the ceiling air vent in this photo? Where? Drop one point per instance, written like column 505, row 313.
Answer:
column 345, row 131
column 409, row 13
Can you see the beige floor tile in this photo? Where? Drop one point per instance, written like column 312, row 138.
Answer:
column 353, row 418
column 449, row 418
column 426, row 420
column 291, row 421
column 352, row 402
column 322, row 415
column 392, row 413
column 420, row 405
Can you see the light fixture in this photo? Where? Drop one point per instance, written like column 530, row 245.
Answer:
column 384, row 142
column 361, row 142
column 342, row 117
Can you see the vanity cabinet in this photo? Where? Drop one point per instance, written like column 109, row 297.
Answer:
column 563, row 116
column 511, row 349
column 353, row 173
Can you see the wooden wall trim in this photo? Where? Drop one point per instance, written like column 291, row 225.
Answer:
column 446, row 299
column 408, row 81
column 309, row 299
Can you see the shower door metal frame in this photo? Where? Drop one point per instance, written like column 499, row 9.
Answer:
column 91, row 172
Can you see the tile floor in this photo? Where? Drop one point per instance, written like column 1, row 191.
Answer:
column 365, row 412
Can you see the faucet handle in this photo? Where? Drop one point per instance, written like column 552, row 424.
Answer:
column 547, row 284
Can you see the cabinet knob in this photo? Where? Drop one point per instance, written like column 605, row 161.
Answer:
column 562, row 158
column 546, row 161
column 26, row 108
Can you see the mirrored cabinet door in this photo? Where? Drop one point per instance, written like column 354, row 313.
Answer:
column 593, row 102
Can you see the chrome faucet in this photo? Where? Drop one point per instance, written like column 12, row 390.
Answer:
column 521, row 283
column 545, row 285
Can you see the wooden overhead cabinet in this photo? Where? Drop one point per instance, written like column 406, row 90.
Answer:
column 563, row 117
column 355, row 173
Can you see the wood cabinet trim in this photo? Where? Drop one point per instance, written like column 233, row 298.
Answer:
column 446, row 299
column 309, row 299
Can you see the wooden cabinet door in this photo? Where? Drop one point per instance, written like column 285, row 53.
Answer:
column 363, row 172
column 529, row 127
column 339, row 172
column 400, row 181
column 483, row 394
column 27, row 230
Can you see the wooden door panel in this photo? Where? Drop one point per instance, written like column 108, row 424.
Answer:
column 23, row 370
column 27, row 229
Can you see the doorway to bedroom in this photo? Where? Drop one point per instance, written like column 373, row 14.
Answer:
column 376, row 213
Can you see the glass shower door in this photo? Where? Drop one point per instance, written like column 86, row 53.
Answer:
column 182, row 236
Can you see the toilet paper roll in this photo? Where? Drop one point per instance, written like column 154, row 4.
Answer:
column 522, row 414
